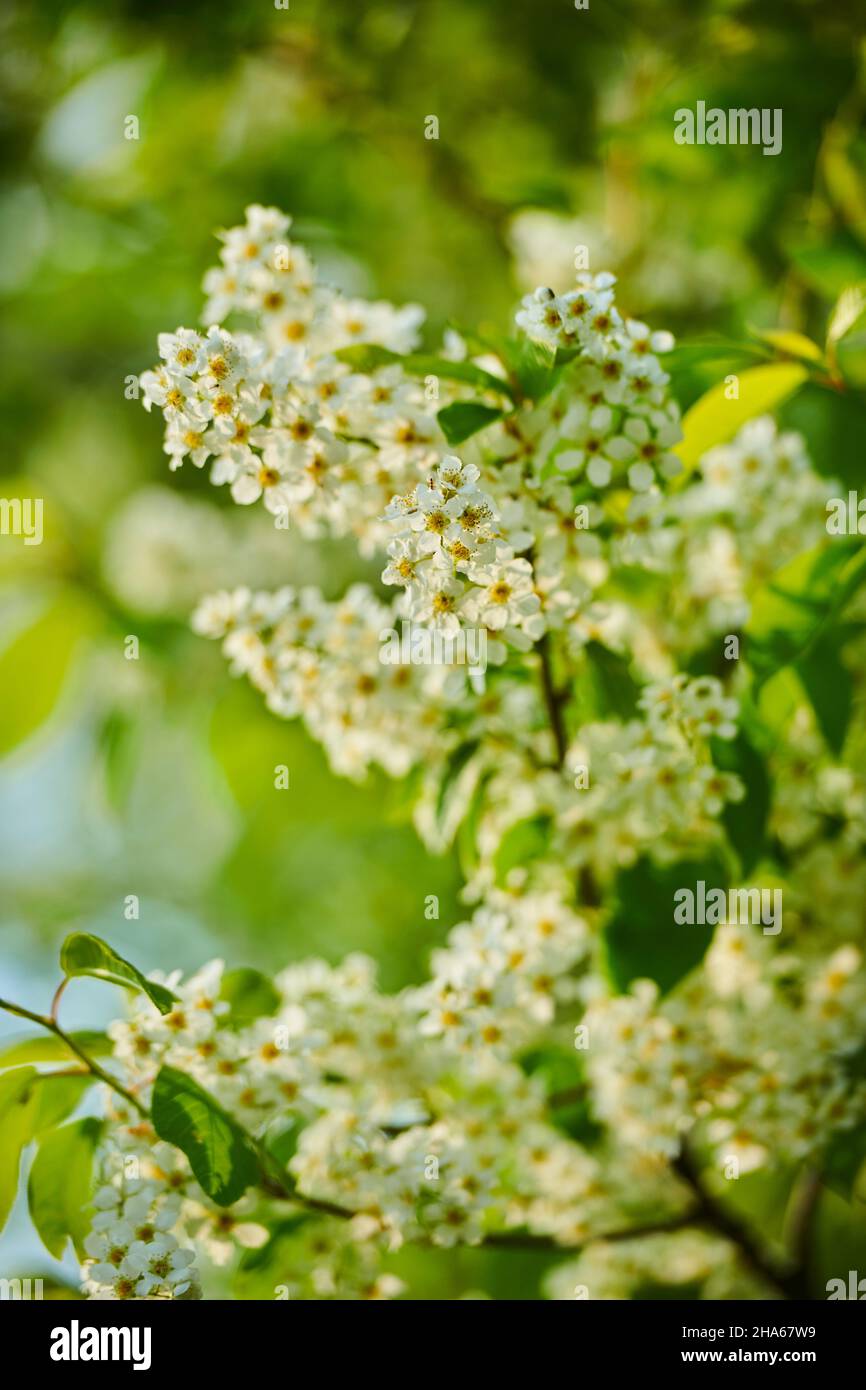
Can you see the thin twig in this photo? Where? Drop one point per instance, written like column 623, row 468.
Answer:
column 58, row 995
column 552, row 699
column 45, row 1021
column 712, row 1213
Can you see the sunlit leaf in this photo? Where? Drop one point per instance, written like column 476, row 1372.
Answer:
column 17, row 1110
column 57, row 1097
column 49, row 1048
column 521, row 843
column 60, row 1184
column 790, row 344
column 83, row 954
column 249, row 994
column 34, row 667
column 715, row 418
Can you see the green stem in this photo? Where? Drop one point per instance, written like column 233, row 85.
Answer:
column 58, row 995
column 46, row 1021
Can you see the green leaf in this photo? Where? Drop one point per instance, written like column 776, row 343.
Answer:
column 714, row 418
column 456, row 786
column 799, row 602
column 456, row 761
column 57, row 1097
column 48, row 1048
column 562, row 1075
column 843, row 1160
column 533, row 364
column 696, row 366
column 34, row 667
column 462, row 419
column 745, row 821
column 83, row 954
column 790, row 344
column 367, row 357
column 834, row 426
column 120, row 741
column 418, row 364
column 261, row 1271
column 775, row 702
column 830, row 688
column 688, row 1291
column 250, row 995
column 219, row 1151
column 522, row 842
column 61, row 1182
column 467, row 835
column 17, row 1110
column 849, row 307
column 284, row 1144
column 617, row 691
column 829, row 266
column 641, row 938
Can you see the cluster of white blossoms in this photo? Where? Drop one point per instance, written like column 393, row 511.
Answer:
column 133, row 1245
column 322, row 662
column 395, row 1143
column 454, row 569
column 503, row 973
column 682, row 1265
column 651, row 782
column 755, row 1055
column 755, row 503
column 520, row 1094
column 415, row 1124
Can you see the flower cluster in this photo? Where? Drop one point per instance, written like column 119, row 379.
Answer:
column 323, row 662
column 755, row 1056
column 538, row 1085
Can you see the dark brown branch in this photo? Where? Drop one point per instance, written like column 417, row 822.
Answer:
column 713, row 1214
column 552, row 699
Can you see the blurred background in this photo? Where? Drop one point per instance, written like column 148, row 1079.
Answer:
column 155, row 777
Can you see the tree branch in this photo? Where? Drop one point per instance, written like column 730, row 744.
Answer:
column 552, row 699
column 44, row 1021
column 712, row 1213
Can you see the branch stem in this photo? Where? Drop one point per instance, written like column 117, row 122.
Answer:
column 552, row 699
column 711, row 1213
column 46, row 1021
